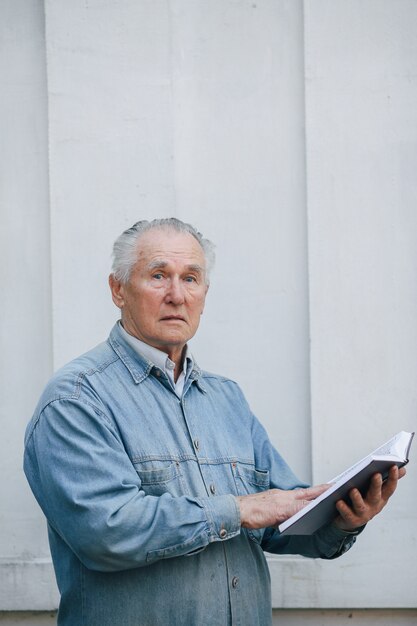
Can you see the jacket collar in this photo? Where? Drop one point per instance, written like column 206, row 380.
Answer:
column 139, row 367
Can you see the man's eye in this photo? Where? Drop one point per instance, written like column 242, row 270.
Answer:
column 190, row 279
column 157, row 276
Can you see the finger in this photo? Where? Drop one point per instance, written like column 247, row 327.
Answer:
column 310, row 493
column 347, row 515
column 359, row 505
column 374, row 492
column 390, row 484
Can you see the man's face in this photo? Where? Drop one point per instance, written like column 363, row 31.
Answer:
column 162, row 302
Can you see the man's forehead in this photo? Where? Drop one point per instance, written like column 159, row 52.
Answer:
column 160, row 247
column 164, row 263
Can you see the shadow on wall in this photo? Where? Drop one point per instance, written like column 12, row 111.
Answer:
column 288, row 617
column 364, row 617
column 28, row 618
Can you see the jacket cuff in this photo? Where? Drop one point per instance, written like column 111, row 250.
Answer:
column 339, row 540
column 223, row 517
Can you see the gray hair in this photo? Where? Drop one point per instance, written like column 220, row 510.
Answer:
column 125, row 248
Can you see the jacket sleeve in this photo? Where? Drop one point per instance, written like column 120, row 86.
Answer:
column 89, row 491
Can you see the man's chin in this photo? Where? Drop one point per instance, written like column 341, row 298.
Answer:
column 173, row 340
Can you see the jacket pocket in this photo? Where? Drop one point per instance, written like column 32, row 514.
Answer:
column 161, row 478
column 249, row 480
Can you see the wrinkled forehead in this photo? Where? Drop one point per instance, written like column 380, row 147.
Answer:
column 165, row 245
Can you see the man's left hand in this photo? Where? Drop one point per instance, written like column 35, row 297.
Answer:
column 364, row 508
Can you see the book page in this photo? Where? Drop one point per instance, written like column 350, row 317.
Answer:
column 396, row 445
column 397, row 448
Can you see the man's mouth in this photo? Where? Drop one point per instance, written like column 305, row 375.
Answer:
column 175, row 318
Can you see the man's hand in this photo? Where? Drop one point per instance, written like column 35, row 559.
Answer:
column 270, row 508
column 364, row 508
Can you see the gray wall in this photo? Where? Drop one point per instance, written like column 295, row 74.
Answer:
column 287, row 132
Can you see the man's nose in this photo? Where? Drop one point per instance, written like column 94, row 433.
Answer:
column 175, row 291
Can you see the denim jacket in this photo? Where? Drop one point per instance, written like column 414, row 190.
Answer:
column 139, row 489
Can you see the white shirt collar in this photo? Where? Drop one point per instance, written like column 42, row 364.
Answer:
column 160, row 359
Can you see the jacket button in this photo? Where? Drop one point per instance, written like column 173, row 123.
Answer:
column 223, row 533
column 213, row 488
column 235, row 582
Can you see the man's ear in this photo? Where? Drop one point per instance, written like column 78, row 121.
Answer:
column 117, row 291
column 207, row 288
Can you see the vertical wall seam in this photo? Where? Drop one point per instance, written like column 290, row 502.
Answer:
column 307, row 237
column 49, row 208
column 171, row 47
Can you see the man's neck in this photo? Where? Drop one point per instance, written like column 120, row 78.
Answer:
column 155, row 355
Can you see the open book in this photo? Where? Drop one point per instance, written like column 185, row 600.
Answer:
column 322, row 510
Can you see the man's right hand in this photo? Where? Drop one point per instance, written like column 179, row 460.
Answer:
column 270, row 508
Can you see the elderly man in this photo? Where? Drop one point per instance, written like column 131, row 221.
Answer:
column 160, row 487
